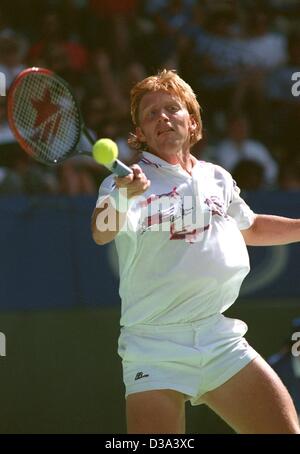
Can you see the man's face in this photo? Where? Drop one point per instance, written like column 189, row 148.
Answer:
column 164, row 123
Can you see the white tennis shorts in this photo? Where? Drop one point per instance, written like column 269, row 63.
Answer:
column 190, row 358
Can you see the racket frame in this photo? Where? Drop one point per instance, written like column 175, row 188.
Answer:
column 10, row 107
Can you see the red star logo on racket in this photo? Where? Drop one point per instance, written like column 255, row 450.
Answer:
column 44, row 107
column 46, row 110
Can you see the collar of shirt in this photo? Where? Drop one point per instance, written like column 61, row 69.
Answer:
column 150, row 158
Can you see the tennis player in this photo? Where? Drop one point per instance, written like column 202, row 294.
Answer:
column 181, row 232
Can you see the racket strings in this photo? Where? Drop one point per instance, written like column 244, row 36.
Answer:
column 46, row 116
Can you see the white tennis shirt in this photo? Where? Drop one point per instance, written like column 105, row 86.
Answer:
column 181, row 255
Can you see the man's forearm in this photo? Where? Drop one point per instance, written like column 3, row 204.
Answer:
column 106, row 222
column 111, row 215
column 270, row 230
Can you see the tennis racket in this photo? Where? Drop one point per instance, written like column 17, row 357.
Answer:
column 46, row 120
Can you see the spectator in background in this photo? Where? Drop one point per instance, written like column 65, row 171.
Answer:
column 103, row 79
column 217, row 58
column 170, row 20
column 6, row 136
column 286, row 364
column 56, row 50
column 3, row 23
column 134, row 72
column 238, row 146
column 289, row 176
column 36, row 178
column 105, row 108
column 284, row 107
column 10, row 180
column 112, row 28
column 11, row 57
column 102, row 122
column 95, row 109
column 262, row 51
column 75, row 178
column 284, row 7
column 8, row 31
column 249, row 175
column 279, row 83
column 263, row 48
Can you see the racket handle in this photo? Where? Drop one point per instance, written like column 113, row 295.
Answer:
column 120, row 169
column 117, row 167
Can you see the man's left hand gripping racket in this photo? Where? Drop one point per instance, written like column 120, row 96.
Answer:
column 46, row 120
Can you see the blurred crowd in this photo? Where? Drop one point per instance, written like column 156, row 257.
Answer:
column 238, row 55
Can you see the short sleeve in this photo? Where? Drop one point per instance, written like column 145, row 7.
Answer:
column 239, row 210
column 106, row 187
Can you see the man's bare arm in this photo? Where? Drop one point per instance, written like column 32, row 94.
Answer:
column 270, row 230
column 107, row 220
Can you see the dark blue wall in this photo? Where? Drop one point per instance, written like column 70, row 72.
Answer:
column 275, row 270
column 48, row 258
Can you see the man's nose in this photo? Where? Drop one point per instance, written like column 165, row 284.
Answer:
column 163, row 115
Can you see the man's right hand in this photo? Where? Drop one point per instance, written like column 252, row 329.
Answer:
column 135, row 183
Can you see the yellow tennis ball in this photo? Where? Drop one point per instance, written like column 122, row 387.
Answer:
column 105, row 151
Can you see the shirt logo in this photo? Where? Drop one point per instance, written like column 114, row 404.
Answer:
column 141, row 375
column 179, row 215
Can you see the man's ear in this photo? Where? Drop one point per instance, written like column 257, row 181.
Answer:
column 140, row 135
column 193, row 125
